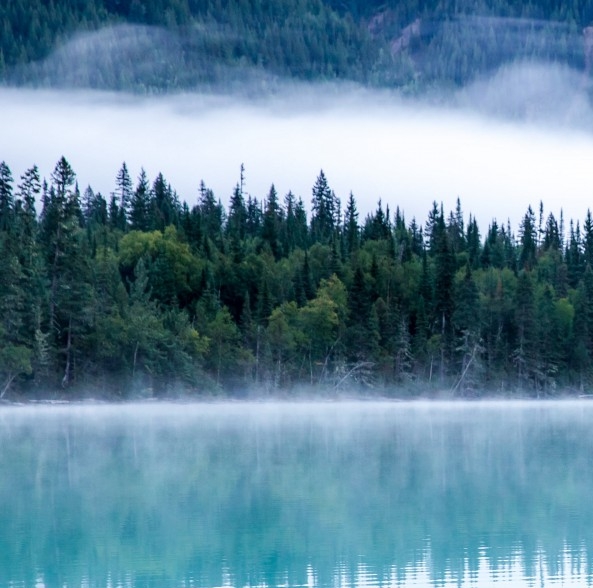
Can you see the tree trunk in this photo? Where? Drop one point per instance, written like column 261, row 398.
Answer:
column 66, row 378
column 9, row 381
column 135, row 359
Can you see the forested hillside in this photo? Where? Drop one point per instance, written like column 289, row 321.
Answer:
column 183, row 44
column 139, row 294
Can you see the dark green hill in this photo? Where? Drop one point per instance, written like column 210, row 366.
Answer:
column 180, row 44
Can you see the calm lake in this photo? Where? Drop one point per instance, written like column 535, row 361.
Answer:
column 328, row 495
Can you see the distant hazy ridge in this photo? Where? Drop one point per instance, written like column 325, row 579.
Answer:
column 180, row 44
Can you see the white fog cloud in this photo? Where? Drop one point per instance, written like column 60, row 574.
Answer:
column 498, row 150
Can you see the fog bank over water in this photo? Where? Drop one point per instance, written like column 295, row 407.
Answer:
column 298, row 494
column 518, row 137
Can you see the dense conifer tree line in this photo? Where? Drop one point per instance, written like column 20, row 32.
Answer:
column 180, row 44
column 138, row 293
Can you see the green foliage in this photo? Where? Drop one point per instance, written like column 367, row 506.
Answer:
column 226, row 355
column 203, row 300
column 15, row 360
column 172, row 268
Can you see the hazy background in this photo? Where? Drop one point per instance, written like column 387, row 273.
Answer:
column 511, row 139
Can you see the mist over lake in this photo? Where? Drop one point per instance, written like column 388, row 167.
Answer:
column 264, row 494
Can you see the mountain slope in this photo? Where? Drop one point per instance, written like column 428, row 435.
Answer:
column 182, row 44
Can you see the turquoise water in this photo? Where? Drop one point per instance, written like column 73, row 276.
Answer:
column 344, row 494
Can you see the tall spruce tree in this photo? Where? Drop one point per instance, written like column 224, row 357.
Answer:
column 528, row 244
column 443, row 293
column 272, row 222
column 351, row 228
column 124, row 193
column 139, row 206
column 6, row 197
column 323, row 206
column 236, row 226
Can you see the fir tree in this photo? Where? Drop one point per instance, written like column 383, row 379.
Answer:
column 272, row 222
column 528, row 236
column 237, row 217
column 6, row 198
column 323, row 206
column 139, row 206
column 124, row 193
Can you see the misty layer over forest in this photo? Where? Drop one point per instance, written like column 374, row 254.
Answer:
column 161, row 45
column 141, row 294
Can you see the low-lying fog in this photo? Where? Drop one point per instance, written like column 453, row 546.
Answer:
column 266, row 494
column 524, row 135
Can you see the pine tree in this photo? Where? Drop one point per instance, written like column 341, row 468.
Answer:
column 163, row 210
column 301, row 233
column 12, row 295
column 377, row 225
column 212, row 215
column 272, row 222
column 94, row 209
column 29, row 257
column 472, row 239
column 254, row 218
column 402, row 238
column 434, row 227
column 114, row 213
column 124, row 193
column 587, row 238
column 63, row 178
column 288, row 229
column 323, row 206
column 191, row 222
column 466, row 319
column 416, row 238
column 574, row 256
column 551, row 238
column 6, row 198
column 443, row 288
column 139, row 206
column 528, row 236
column 237, row 217
column 455, row 228
column 68, row 264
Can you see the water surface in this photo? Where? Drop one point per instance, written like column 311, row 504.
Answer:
column 331, row 494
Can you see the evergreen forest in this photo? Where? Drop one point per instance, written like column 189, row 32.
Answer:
column 140, row 295
column 173, row 45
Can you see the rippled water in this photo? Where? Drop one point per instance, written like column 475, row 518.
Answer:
column 328, row 495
